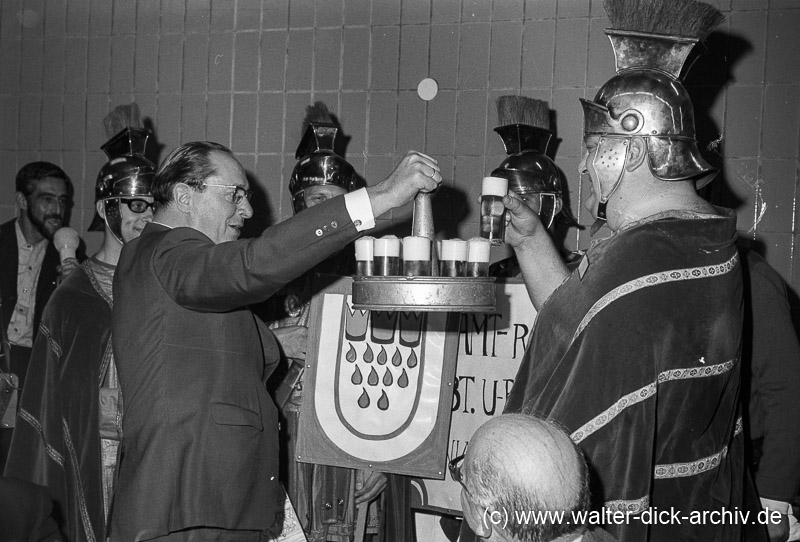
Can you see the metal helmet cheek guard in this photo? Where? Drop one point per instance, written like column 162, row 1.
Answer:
column 127, row 174
column 647, row 99
column 319, row 165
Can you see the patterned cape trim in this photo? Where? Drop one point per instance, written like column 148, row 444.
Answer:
column 691, row 468
column 635, row 506
column 655, row 279
column 646, row 392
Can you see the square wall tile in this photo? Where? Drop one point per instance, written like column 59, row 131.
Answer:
column 444, row 55
column 385, row 13
column 145, row 65
column 445, row 11
column 572, row 36
column 270, row 122
column 353, row 118
column 743, row 109
column 10, row 53
column 193, row 117
column 382, row 128
column 538, row 10
column 329, row 13
column 385, row 53
column 147, row 17
column 198, row 16
column 100, row 17
column 295, row 111
column 77, row 18
column 55, row 16
column 52, row 123
column 222, row 15
column 301, row 13
column 410, row 122
column 275, row 14
column 416, row 12
column 327, row 61
column 473, row 72
column 414, row 53
column 122, row 54
column 218, row 119
column 299, row 59
column 357, row 12
column 777, row 188
column 600, row 64
column 507, row 10
column 195, row 62
column 538, row 45
column 748, row 46
column 441, row 125
column 220, row 62
column 248, row 15
column 170, row 63
column 273, row 59
column 505, row 61
column 75, row 121
column 471, row 119
column 124, row 17
column 355, row 60
column 245, row 121
column 9, row 117
column 777, row 250
column 99, row 64
column 97, row 107
column 32, row 58
column 168, row 121
column 53, row 66
column 572, row 8
column 783, row 42
column 173, row 13
column 246, row 62
column 476, row 11
column 782, row 115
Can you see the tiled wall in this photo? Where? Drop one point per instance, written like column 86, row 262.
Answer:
column 242, row 71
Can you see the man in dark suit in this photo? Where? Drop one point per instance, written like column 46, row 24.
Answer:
column 200, row 445
column 29, row 265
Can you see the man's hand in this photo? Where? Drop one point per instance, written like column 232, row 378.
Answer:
column 416, row 172
column 67, row 266
column 779, row 532
column 522, row 222
column 293, row 340
column 369, row 484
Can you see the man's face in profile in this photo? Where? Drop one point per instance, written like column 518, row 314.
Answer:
column 215, row 212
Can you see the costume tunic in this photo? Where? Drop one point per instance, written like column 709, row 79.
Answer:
column 57, row 439
column 637, row 355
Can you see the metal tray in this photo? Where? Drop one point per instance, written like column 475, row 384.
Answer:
column 444, row 294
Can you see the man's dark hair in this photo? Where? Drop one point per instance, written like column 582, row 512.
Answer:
column 30, row 174
column 190, row 163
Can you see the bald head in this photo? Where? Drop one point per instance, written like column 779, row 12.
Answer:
column 518, row 462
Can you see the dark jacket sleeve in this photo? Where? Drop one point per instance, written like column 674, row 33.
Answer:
column 233, row 274
column 775, row 383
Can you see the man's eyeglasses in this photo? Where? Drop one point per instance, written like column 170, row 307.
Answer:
column 137, row 205
column 239, row 193
column 455, row 472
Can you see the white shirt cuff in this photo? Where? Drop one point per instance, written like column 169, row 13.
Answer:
column 779, row 506
column 360, row 209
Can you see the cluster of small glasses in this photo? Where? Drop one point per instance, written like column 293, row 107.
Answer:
column 390, row 256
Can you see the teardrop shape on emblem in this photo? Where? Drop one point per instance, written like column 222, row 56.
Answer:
column 351, row 354
column 388, row 378
column 363, row 401
column 356, row 378
column 382, row 356
column 397, row 358
column 383, row 402
column 368, row 354
column 412, row 360
column 403, row 380
column 372, row 379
